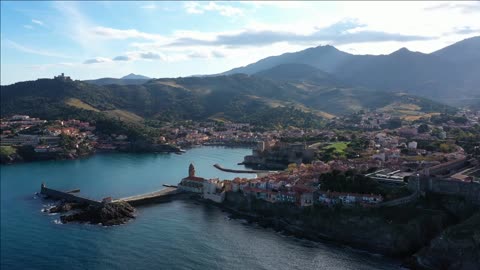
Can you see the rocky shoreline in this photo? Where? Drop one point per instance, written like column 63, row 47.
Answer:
column 458, row 247
column 435, row 239
column 106, row 215
column 419, row 242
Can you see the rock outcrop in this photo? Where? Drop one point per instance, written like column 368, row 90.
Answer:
column 106, row 215
column 65, row 207
column 458, row 247
column 395, row 231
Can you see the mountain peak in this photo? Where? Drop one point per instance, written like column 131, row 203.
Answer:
column 402, row 51
column 330, row 47
column 133, row 76
column 467, row 49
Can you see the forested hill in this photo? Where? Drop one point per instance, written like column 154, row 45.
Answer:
column 239, row 98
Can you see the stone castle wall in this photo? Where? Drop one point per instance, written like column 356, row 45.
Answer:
column 469, row 190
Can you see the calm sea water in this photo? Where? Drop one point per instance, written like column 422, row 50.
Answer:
column 176, row 235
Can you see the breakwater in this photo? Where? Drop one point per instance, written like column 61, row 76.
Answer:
column 164, row 195
column 67, row 196
column 218, row 166
column 159, row 196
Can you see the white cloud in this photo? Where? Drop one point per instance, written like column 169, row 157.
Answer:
column 77, row 27
column 206, row 53
column 30, row 50
column 193, row 8
column 111, row 33
column 464, row 7
column 224, row 10
column 97, row 60
column 150, row 55
column 122, row 58
column 37, row 22
column 267, row 28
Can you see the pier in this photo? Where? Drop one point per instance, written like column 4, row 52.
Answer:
column 163, row 195
column 68, row 196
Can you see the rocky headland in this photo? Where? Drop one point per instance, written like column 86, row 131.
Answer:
column 109, row 214
column 458, row 247
column 400, row 231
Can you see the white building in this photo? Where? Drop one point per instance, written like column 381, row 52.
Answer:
column 213, row 190
column 412, row 145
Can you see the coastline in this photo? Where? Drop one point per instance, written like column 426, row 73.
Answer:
column 163, row 148
column 62, row 156
column 368, row 234
column 408, row 248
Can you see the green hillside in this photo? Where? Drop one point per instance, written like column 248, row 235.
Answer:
column 238, row 98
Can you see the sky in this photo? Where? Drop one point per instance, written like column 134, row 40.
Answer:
column 89, row 40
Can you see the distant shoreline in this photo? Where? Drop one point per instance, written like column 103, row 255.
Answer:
column 102, row 152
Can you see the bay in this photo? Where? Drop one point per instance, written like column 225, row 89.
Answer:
column 176, row 235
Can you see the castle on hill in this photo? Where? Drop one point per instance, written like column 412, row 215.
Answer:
column 62, row 77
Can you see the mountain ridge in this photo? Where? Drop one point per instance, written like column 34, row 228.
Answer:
column 447, row 75
column 133, row 76
column 237, row 98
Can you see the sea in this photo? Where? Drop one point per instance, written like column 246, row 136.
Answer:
column 175, row 235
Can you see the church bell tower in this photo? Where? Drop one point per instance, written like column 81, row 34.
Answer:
column 191, row 170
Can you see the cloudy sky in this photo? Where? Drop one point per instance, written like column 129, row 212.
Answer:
column 88, row 40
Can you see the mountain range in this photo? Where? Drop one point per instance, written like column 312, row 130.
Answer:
column 125, row 80
column 449, row 75
column 290, row 89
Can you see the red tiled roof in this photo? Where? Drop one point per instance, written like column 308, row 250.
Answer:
column 194, row 178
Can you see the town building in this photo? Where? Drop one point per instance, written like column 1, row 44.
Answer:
column 192, row 183
column 214, row 190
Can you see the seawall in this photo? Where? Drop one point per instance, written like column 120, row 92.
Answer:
column 61, row 195
column 218, row 166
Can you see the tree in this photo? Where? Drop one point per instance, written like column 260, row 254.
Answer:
column 291, row 167
column 446, row 148
column 423, row 128
column 6, row 151
column 394, row 123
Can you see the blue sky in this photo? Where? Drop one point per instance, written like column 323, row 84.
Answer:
column 88, row 40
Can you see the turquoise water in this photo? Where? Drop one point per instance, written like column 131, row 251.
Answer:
column 176, row 235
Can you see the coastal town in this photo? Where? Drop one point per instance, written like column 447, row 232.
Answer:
column 360, row 145
column 366, row 165
column 376, row 163
column 271, row 135
column 410, row 146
